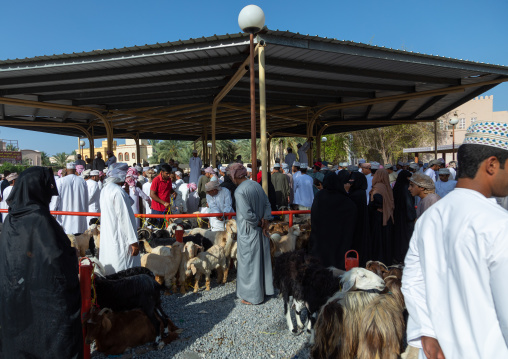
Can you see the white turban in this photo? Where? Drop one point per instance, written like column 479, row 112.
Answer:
column 94, row 173
column 71, row 166
column 117, row 172
column 86, row 173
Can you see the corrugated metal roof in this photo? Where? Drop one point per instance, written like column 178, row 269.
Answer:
column 155, row 89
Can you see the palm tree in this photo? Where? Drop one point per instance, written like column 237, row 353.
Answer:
column 61, row 159
column 11, row 147
column 45, row 159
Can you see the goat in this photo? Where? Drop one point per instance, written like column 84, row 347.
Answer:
column 115, row 332
column 227, row 240
column 286, row 243
column 302, row 242
column 204, row 232
column 83, row 241
column 377, row 267
column 190, row 250
column 160, row 250
column 145, row 234
column 281, row 228
column 199, row 240
column 337, row 326
column 129, row 272
column 205, row 262
column 165, row 266
column 382, row 329
column 395, row 270
column 172, row 229
column 132, row 292
column 288, row 275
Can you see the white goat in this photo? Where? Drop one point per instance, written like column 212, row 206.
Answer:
column 207, row 261
column 82, row 241
column 286, row 243
column 189, row 251
column 165, row 266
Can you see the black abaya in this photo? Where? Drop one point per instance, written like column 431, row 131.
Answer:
column 404, row 216
column 333, row 220
column 40, row 298
column 380, row 236
column 361, row 241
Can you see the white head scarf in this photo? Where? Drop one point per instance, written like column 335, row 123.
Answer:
column 116, row 173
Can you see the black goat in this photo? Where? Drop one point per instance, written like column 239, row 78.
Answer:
column 199, row 240
column 303, row 279
column 139, row 291
column 288, row 273
column 130, row 272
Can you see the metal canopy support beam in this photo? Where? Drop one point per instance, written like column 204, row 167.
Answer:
column 341, row 83
column 420, row 94
column 262, row 117
column 242, row 70
column 65, row 108
column 121, row 71
column 99, row 84
column 355, row 71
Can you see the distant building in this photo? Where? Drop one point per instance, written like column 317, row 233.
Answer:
column 478, row 109
column 124, row 153
column 32, row 157
column 10, row 153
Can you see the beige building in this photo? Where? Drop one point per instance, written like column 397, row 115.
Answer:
column 32, row 157
column 478, row 109
column 124, row 153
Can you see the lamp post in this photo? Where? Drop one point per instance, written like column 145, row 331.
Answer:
column 324, row 139
column 252, row 19
column 209, row 144
column 453, row 121
column 82, row 144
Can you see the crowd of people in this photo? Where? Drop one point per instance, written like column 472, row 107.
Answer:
column 441, row 222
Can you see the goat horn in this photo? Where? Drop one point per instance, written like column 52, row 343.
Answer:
column 105, row 310
column 390, row 276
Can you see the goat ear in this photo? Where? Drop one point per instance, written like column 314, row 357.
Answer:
column 106, row 324
column 194, row 270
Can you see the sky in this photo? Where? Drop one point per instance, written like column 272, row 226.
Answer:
column 462, row 29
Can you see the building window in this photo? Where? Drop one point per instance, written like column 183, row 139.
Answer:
column 462, row 123
column 120, row 157
column 441, row 125
column 133, row 155
column 473, row 119
column 126, row 156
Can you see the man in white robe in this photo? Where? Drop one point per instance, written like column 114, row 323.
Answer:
column 73, row 197
column 444, row 185
column 219, row 201
column 302, row 151
column 11, row 178
column 454, row 280
column 304, row 193
column 434, row 166
column 296, row 170
column 290, row 158
column 452, row 166
column 253, row 212
column 119, row 240
column 195, row 165
column 94, row 192
column 367, row 171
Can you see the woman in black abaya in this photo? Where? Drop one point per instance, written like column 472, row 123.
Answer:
column 404, row 216
column 40, row 297
column 333, row 219
column 361, row 240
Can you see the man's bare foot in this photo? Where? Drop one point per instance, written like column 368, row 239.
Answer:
column 245, row 302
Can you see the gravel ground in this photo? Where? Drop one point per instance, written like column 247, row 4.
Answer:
column 217, row 325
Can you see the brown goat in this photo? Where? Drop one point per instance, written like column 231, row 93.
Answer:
column 115, row 332
column 393, row 285
column 377, row 267
column 394, row 271
column 279, row 227
column 382, row 328
column 337, row 335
